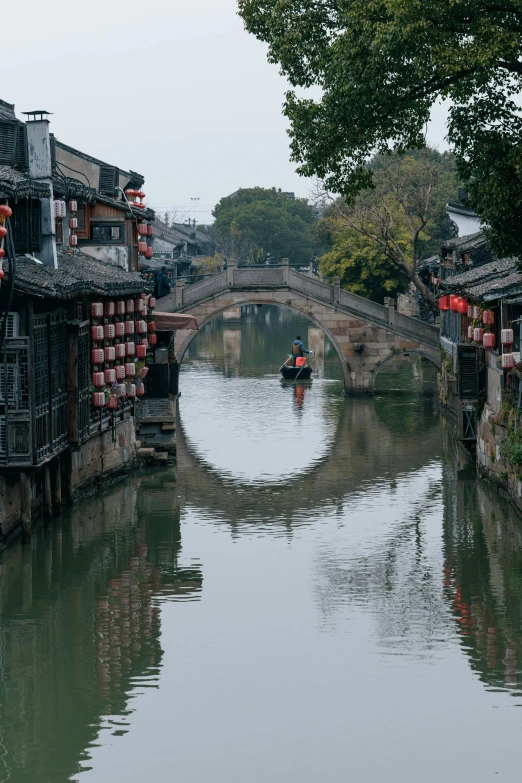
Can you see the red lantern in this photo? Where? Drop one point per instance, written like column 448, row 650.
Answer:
column 142, row 248
column 120, row 307
column 97, row 333
column 110, row 353
column 462, row 306
column 120, row 372
column 130, row 368
column 140, row 390
column 97, row 356
column 73, row 206
column 129, row 327
column 130, row 194
column 119, row 350
column 112, row 402
column 5, row 211
column 119, row 328
column 508, row 361
column 131, row 390
column 108, row 309
column 141, row 327
column 108, row 331
column 153, row 339
column 470, row 311
column 150, row 230
column 488, row 317
column 454, row 302
column 149, row 252
column 152, row 302
column 506, row 336
column 73, row 223
column 145, row 343
column 110, row 376
column 2, row 273
column 130, row 349
column 141, row 351
column 139, row 306
column 152, row 326
column 98, row 379
column 98, row 399
column 140, row 194
column 488, row 340
column 470, row 333
column 478, row 334
column 476, row 312
column 73, row 240
column 3, row 232
column 96, row 310
column 142, row 229
column 121, row 390
column 2, row 252
column 129, row 306
column 444, row 303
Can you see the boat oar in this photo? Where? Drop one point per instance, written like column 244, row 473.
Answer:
column 284, row 363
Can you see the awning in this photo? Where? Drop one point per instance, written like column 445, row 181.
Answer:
column 166, row 322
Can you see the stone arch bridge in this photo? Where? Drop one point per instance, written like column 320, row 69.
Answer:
column 365, row 334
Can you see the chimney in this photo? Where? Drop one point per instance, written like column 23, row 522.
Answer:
column 40, row 169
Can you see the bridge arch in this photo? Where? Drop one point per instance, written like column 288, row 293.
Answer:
column 364, row 333
column 394, row 355
column 182, row 349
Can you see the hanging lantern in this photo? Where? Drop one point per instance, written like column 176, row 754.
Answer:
column 3, row 232
column 5, row 211
column 131, row 390
column 119, row 350
column 120, row 307
column 108, row 309
column 470, row 333
column 506, row 336
column 97, row 333
column 119, row 328
column 96, row 309
column 73, row 240
column 129, row 306
column 120, row 372
column 140, row 390
column 454, row 302
column 478, row 333
column 488, row 340
column 59, row 209
column 130, row 349
column 129, row 327
column 141, row 351
column 97, row 356
column 144, row 342
column 142, row 372
column 139, row 306
column 130, row 369
column 462, row 306
column 130, row 194
column 153, row 339
column 2, row 252
column 142, row 229
column 112, row 402
column 488, row 317
column 98, row 399
column 73, row 223
column 108, row 332
column 110, row 376
column 141, row 327
column 508, row 361
column 73, row 206
column 98, row 379
column 142, row 248
column 150, row 230
column 470, row 311
column 149, row 252
column 152, row 302
column 152, row 326
column 109, row 353
column 477, row 312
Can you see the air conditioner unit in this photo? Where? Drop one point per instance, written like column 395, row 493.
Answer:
column 13, row 325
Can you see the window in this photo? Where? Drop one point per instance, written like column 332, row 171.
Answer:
column 59, row 231
column 80, row 216
column 107, row 233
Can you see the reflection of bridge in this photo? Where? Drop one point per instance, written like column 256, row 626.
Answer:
column 365, row 447
column 365, row 334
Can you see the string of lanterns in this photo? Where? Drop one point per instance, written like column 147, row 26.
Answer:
column 5, row 212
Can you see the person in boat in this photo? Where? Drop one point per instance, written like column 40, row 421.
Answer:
column 298, row 349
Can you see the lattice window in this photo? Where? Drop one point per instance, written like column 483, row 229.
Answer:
column 26, row 223
column 41, row 386
column 18, row 432
column 84, row 383
column 58, row 369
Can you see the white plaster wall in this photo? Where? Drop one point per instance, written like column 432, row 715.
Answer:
column 117, row 255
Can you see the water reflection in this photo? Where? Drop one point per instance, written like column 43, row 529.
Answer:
column 80, row 626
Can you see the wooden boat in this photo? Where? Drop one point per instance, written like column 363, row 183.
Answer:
column 290, row 373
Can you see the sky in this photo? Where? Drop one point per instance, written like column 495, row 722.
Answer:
column 174, row 89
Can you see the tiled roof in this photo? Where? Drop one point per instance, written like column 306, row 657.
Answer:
column 489, row 281
column 16, row 184
column 77, row 275
column 466, row 243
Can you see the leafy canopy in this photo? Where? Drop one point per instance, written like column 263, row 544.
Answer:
column 256, row 222
column 380, row 66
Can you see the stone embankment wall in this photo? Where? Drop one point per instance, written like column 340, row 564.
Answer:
column 492, row 461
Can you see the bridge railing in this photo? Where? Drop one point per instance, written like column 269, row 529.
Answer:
column 208, row 287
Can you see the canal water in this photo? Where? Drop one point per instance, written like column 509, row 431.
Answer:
column 321, row 590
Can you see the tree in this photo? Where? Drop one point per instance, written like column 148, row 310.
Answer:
column 256, row 222
column 381, row 66
column 397, row 218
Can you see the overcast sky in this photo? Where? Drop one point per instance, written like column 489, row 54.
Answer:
column 174, row 89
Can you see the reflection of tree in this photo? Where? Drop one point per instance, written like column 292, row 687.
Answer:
column 80, row 626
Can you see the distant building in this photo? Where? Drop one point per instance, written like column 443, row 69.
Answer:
column 464, row 219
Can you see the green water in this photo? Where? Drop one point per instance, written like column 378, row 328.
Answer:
column 320, row 590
